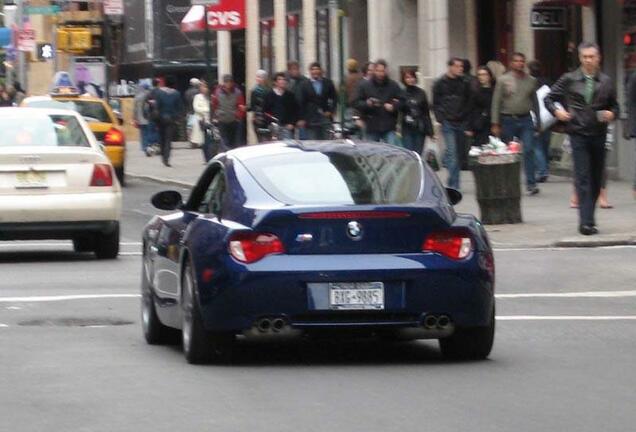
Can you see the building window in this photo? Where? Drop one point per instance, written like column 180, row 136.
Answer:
column 267, row 49
column 294, row 37
column 323, row 39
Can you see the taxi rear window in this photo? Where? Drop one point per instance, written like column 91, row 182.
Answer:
column 92, row 111
column 53, row 130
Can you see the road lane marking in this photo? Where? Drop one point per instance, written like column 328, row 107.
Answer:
column 502, row 248
column 41, row 299
column 3, row 325
column 51, row 244
column 583, row 294
column 566, row 317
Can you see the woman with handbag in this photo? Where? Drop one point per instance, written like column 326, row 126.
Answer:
column 480, row 121
column 200, row 134
column 416, row 117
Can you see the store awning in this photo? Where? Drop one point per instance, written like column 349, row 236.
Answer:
column 194, row 21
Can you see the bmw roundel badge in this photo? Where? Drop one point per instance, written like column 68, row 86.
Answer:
column 354, row 230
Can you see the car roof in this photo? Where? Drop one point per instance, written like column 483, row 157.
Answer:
column 292, row 146
column 25, row 112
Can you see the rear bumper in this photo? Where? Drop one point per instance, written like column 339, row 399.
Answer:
column 90, row 206
column 116, row 154
column 54, row 230
column 415, row 285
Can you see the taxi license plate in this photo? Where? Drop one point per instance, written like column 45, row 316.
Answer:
column 31, row 179
column 356, row 296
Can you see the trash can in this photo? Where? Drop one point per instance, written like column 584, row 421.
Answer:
column 498, row 187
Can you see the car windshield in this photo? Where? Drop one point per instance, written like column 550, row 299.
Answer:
column 52, row 130
column 338, row 177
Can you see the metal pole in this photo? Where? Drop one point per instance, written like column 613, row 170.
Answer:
column 208, row 56
column 343, row 100
column 21, row 54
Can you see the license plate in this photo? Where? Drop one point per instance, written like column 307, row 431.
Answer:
column 31, row 179
column 356, row 296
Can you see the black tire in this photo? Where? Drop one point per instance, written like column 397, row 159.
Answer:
column 474, row 343
column 199, row 345
column 119, row 172
column 84, row 244
column 155, row 332
column 107, row 245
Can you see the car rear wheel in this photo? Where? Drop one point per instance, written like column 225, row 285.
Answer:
column 473, row 343
column 199, row 345
column 155, row 332
column 107, row 245
column 119, row 172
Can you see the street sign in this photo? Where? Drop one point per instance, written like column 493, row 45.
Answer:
column 548, row 18
column 45, row 51
column 26, row 40
column 113, row 7
column 43, row 10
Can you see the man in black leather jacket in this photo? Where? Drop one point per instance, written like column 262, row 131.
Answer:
column 585, row 100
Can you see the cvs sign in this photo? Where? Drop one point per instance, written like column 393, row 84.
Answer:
column 226, row 15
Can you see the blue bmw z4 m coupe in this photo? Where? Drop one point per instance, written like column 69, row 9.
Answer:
column 297, row 239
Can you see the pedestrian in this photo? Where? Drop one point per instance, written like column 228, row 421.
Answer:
column 317, row 99
column 379, row 101
column 416, row 115
column 512, row 102
column 368, row 71
column 140, row 120
column 170, row 108
column 5, row 98
column 588, row 104
column 229, row 109
column 200, row 132
column 294, row 78
column 191, row 118
column 20, row 94
column 257, row 99
column 630, row 100
column 482, row 106
column 152, row 114
column 542, row 137
column 280, row 107
column 452, row 101
column 353, row 78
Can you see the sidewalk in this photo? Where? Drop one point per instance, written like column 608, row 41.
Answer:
column 548, row 220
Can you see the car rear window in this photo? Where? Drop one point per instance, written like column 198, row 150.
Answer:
column 42, row 130
column 339, row 177
column 94, row 112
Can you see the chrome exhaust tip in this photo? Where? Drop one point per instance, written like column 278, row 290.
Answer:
column 443, row 322
column 430, row 322
column 278, row 324
column 264, row 325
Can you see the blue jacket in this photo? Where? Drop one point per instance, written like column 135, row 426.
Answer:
column 169, row 104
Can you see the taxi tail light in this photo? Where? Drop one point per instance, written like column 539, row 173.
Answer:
column 453, row 244
column 114, row 137
column 102, row 175
column 249, row 247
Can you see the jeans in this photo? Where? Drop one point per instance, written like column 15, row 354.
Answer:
column 285, row 134
column 413, row 139
column 452, row 136
column 145, row 134
column 588, row 154
column 522, row 128
column 167, row 131
column 542, row 152
column 389, row 137
column 208, row 146
column 229, row 135
column 317, row 132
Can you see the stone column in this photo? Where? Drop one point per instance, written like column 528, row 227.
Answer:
column 224, row 53
column 379, row 17
column 280, row 34
column 433, row 39
column 252, row 57
column 523, row 33
column 471, row 33
column 309, row 33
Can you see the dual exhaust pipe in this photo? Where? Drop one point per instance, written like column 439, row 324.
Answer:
column 267, row 325
column 431, row 322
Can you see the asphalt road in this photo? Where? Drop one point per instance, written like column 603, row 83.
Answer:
column 563, row 357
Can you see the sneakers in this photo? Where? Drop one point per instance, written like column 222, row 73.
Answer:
column 532, row 190
column 588, row 230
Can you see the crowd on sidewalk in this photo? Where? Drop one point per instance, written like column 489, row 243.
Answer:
column 515, row 104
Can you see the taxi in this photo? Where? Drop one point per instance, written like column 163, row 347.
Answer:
column 100, row 117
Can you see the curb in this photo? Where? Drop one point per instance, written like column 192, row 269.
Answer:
column 599, row 242
column 154, row 179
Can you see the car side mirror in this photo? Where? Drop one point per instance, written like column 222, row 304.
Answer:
column 167, row 200
column 454, row 196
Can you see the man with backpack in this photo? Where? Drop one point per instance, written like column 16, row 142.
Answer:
column 168, row 108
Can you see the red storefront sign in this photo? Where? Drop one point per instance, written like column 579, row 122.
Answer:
column 224, row 15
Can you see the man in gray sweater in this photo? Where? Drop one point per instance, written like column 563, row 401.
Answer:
column 229, row 110
column 512, row 102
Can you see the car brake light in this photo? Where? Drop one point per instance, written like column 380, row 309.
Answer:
column 454, row 244
column 114, row 137
column 102, row 175
column 249, row 247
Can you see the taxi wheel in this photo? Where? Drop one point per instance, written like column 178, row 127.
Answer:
column 107, row 245
column 119, row 172
column 474, row 343
column 199, row 345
